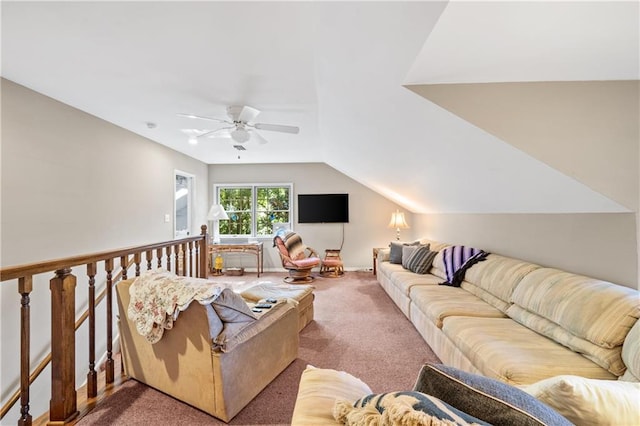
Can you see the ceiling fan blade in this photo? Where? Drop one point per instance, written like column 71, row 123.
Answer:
column 218, row 133
column 258, row 138
column 219, row 120
column 277, row 128
column 248, row 114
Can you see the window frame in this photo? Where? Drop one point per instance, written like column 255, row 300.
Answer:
column 254, row 205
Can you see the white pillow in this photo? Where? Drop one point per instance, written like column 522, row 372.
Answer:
column 590, row 401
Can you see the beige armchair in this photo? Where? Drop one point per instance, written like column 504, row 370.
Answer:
column 186, row 365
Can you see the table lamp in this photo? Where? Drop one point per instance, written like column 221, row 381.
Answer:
column 398, row 222
column 216, row 213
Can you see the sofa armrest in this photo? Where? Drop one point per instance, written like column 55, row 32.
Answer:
column 383, row 254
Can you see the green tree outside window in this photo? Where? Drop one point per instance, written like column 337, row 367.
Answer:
column 253, row 210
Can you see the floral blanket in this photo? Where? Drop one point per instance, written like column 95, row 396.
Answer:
column 158, row 296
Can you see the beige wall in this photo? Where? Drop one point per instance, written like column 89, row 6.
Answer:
column 588, row 130
column 74, row 184
column 369, row 212
column 597, row 245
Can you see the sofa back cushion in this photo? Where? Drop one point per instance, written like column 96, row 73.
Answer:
column 585, row 314
column 495, row 278
column 437, row 266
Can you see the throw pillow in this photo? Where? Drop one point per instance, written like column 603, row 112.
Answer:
column 228, row 307
column 420, row 260
column 400, row 408
column 590, row 401
column 407, row 251
column 395, row 252
column 490, row 400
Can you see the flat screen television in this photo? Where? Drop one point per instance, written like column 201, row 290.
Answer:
column 323, row 208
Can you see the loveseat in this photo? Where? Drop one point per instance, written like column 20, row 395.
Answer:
column 516, row 321
column 214, row 356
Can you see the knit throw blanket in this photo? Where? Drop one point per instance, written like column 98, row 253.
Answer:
column 157, row 297
column 457, row 259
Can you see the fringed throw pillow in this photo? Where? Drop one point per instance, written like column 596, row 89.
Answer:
column 400, row 408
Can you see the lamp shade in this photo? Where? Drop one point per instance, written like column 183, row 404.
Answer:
column 398, row 221
column 216, row 212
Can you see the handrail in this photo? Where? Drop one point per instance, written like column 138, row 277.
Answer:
column 47, row 359
column 14, row 272
column 62, row 408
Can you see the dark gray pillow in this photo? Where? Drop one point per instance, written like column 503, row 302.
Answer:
column 487, row 399
column 420, row 260
column 395, row 252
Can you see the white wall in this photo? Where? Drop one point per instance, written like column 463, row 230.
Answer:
column 369, row 212
column 599, row 245
column 74, row 184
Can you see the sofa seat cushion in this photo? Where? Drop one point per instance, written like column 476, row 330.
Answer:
column 439, row 302
column 387, row 268
column 406, row 280
column 555, row 303
column 318, row 391
column 495, row 278
column 506, row 350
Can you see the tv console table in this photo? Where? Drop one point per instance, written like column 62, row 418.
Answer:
column 251, row 248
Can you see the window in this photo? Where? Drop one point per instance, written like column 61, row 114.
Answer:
column 254, row 209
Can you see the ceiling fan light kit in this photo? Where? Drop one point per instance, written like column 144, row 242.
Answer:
column 241, row 127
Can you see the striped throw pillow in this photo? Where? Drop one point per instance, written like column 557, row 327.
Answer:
column 420, row 260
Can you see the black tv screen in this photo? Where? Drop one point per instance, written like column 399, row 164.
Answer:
column 323, row 208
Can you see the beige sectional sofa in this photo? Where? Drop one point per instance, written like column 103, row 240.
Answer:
column 519, row 322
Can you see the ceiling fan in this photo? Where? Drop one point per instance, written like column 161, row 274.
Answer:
column 240, row 127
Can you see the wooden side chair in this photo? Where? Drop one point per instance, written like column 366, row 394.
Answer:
column 296, row 257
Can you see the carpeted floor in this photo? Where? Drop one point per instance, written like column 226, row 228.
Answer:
column 357, row 328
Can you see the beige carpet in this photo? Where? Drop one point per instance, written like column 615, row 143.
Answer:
column 357, row 328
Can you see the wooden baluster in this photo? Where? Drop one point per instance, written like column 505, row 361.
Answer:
column 62, row 407
column 149, row 259
column 124, row 264
column 168, row 251
column 109, row 370
column 176, row 258
column 203, row 260
column 191, row 258
column 25, row 286
column 159, row 256
column 183, row 251
column 137, row 258
column 92, row 375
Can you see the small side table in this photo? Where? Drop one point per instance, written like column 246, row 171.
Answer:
column 375, row 258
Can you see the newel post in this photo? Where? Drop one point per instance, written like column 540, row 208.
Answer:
column 62, row 407
column 204, row 253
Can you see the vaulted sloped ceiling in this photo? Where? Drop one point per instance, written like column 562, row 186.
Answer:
column 557, row 81
column 380, row 89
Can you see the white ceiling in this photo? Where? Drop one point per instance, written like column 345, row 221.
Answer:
column 336, row 70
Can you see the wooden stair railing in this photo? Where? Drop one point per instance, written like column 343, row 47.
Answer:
column 91, row 376
column 62, row 405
